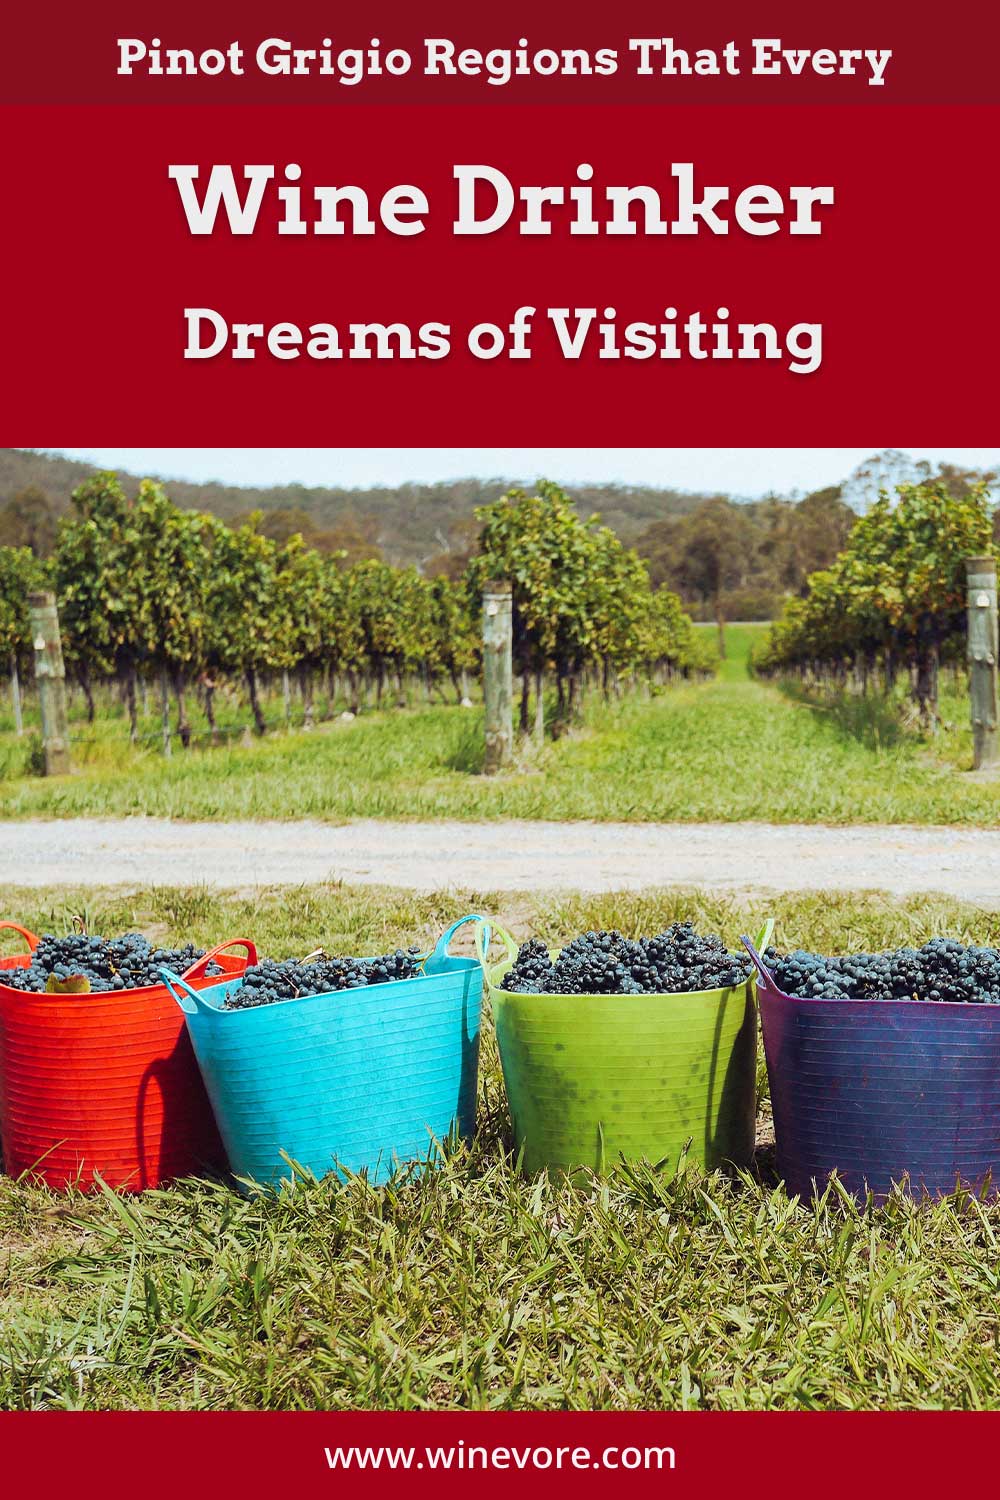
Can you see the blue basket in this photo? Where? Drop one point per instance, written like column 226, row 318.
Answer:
column 360, row 1080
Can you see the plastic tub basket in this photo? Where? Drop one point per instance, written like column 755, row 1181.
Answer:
column 590, row 1078
column 103, row 1084
column 882, row 1092
column 362, row 1080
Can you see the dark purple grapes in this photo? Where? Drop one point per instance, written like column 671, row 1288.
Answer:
column 129, row 962
column 942, row 969
column 274, row 980
column 676, row 961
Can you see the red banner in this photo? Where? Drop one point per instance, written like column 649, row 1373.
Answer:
column 876, row 321
column 440, row 1454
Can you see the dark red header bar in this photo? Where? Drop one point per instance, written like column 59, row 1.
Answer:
column 386, row 52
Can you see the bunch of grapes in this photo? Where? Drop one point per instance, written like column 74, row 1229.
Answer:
column 941, row 970
column 125, row 963
column 676, row 961
column 274, row 980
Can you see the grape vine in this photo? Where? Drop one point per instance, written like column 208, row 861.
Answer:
column 894, row 600
column 151, row 595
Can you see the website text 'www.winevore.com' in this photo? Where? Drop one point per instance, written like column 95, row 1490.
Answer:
column 469, row 1456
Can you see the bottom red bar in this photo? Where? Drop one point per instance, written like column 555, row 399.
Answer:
column 413, row 1453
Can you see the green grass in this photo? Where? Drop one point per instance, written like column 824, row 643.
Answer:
column 473, row 1287
column 739, row 639
column 104, row 745
column 729, row 750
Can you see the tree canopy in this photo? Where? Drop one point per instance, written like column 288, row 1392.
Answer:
column 894, row 596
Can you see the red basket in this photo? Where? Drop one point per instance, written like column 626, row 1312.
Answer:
column 104, row 1085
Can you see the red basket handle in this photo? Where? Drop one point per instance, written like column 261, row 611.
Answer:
column 197, row 969
column 29, row 937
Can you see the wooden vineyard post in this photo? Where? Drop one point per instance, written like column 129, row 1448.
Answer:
column 50, row 674
column 165, row 711
column 981, row 582
column 15, row 695
column 498, row 677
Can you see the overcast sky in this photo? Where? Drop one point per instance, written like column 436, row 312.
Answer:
column 737, row 471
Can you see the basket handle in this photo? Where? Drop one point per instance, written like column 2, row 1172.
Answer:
column 200, row 965
column 188, row 999
column 485, row 935
column 763, row 941
column 437, row 959
column 29, row 937
column 765, row 935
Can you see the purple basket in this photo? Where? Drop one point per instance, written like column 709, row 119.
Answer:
column 882, row 1092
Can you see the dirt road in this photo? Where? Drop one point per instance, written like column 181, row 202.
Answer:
column 503, row 856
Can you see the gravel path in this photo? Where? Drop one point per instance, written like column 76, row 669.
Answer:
column 509, row 856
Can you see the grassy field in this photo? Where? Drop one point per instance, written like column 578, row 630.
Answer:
column 728, row 750
column 471, row 1287
column 739, row 640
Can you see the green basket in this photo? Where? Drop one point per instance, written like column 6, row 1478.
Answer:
column 591, row 1078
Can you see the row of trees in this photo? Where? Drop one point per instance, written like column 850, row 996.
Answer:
column 725, row 559
column 742, row 561
column 151, row 593
column 894, row 599
column 20, row 572
column 583, row 605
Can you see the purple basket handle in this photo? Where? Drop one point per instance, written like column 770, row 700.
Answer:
column 763, row 940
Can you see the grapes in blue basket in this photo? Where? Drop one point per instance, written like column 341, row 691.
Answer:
column 274, row 980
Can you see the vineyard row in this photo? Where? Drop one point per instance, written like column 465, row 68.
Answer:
column 149, row 594
column 893, row 602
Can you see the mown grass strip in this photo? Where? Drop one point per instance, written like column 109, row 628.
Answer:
column 729, row 750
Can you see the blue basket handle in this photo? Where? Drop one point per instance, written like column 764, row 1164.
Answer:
column 485, row 935
column 763, row 941
column 438, row 958
column 188, row 999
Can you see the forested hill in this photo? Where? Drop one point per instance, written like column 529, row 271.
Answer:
column 408, row 522
column 726, row 558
